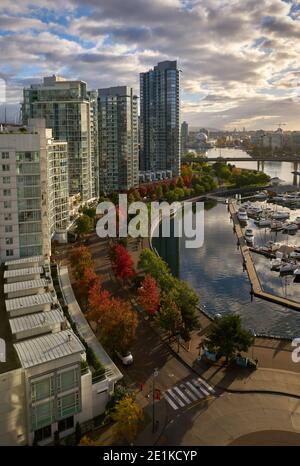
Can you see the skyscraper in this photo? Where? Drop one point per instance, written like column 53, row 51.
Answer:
column 184, row 137
column 65, row 106
column 118, row 138
column 33, row 191
column 160, row 118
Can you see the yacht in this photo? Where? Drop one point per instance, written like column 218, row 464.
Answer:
column 242, row 215
column 289, row 267
column 297, row 271
column 249, row 236
column 263, row 222
column 280, row 215
column 291, row 228
column 276, row 225
column 261, row 195
column 297, row 221
column 276, row 264
column 295, row 255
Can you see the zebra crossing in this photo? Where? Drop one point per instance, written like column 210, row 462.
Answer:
column 188, row 392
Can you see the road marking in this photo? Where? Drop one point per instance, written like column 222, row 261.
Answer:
column 206, row 385
column 201, row 395
column 186, row 399
column 198, row 385
column 171, row 402
column 176, row 397
column 190, row 394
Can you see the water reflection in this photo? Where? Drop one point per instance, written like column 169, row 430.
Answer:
column 215, row 271
column 282, row 170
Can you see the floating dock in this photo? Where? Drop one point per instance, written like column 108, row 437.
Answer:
column 256, row 287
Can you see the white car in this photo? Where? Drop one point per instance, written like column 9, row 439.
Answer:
column 126, row 358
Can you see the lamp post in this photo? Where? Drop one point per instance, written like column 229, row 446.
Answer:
column 155, row 374
column 254, row 334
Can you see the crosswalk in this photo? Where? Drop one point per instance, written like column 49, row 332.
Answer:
column 188, row 392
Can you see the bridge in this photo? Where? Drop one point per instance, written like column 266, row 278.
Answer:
column 293, row 159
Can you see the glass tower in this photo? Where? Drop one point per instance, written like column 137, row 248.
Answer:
column 160, row 118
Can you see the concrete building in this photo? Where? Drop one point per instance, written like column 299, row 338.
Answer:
column 33, row 191
column 65, row 105
column 160, row 118
column 93, row 97
column 118, row 138
column 46, row 383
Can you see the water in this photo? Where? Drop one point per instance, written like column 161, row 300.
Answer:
column 215, row 272
column 281, row 170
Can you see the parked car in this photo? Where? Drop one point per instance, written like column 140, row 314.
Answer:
column 126, row 358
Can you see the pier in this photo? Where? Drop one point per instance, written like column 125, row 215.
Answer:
column 256, row 287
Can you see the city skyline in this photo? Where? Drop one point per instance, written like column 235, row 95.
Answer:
column 239, row 60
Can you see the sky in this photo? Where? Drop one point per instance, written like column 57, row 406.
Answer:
column 240, row 59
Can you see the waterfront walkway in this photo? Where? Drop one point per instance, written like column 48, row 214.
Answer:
column 256, row 287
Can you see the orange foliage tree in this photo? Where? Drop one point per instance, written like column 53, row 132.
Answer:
column 81, row 259
column 89, row 280
column 148, row 295
column 122, row 263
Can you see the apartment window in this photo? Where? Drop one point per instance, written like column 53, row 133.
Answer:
column 6, row 179
column 65, row 424
column 9, row 241
column 5, row 155
column 7, row 204
column 68, row 404
column 42, row 389
column 8, row 228
column 9, row 252
column 67, row 380
column 6, row 192
column 5, row 168
column 42, row 414
column 7, row 217
column 42, row 434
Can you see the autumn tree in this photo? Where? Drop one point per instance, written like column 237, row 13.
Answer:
column 81, row 259
column 122, row 264
column 117, row 323
column 128, row 417
column 88, row 280
column 148, row 295
column 98, row 300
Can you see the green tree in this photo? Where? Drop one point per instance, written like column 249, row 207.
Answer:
column 169, row 316
column 187, row 301
column 150, row 263
column 227, row 337
column 84, row 225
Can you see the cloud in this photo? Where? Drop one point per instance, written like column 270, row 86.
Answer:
column 237, row 57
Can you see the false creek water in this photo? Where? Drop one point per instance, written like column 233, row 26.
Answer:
column 216, row 273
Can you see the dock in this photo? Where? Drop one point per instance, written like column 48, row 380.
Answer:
column 256, row 287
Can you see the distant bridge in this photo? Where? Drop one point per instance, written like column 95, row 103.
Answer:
column 291, row 158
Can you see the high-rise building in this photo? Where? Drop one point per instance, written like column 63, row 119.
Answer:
column 33, row 191
column 184, row 137
column 118, row 138
column 93, row 97
column 160, row 118
column 65, row 106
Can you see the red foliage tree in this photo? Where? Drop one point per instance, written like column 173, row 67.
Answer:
column 143, row 191
column 122, row 263
column 98, row 300
column 148, row 295
column 88, row 280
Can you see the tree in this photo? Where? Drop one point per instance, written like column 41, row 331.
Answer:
column 98, row 299
column 88, row 442
column 169, row 316
column 88, row 280
column 122, row 263
column 150, row 263
column 90, row 212
column 227, row 337
column 81, row 259
column 117, row 323
column 84, row 224
column 187, row 301
column 128, row 417
column 148, row 295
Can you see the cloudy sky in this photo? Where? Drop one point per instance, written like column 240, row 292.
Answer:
column 240, row 59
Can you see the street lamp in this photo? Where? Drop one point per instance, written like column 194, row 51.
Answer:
column 155, row 374
column 254, row 334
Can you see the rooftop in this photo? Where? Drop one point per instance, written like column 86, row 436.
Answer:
column 29, row 301
column 47, row 348
column 39, row 319
column 25, row 260
column 23, row 272
column 26, row 285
